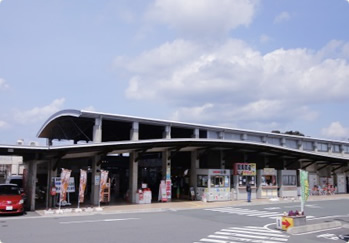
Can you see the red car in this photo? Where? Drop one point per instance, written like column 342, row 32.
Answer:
column 11, row 199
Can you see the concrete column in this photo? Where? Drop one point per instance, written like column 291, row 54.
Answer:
column 196, row 133
column 300, row 144
column 133, row 180
column 266, row 161
column 166, row 165
column 97, row 130
column 31, row 184
column 330, row 148
column 48, row 199
column 167, row 132
column 166, row 168
column 222, row 159
column 341, row 149
column 283, row 142
column 134, row 133
column 195, row 164
column 95, row 180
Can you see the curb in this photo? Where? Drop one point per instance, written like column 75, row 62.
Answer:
column 313, row 227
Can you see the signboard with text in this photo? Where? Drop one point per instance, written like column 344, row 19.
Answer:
column 57, row 184
column 245, row 169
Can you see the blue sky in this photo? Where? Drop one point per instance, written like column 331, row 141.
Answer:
column 253, row 64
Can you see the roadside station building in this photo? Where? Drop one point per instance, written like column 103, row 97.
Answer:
column 202, row 162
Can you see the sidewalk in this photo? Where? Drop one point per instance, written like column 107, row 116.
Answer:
column 183, row 205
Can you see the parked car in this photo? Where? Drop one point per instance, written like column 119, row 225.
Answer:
column 40, row 193
column 11, row 199
column 15, row 179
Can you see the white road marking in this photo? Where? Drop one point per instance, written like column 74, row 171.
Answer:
column 327, row 217
column 312, row 232
column 254, row 233
column 272, row 208
column 258, row 229
column 250, row 234
column 312, row 206
column 247, row 212
column 96, row 221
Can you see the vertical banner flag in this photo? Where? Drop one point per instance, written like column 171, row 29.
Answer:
column 304, row 187
column 103, row 183
column 82, row 186
column 65, row 175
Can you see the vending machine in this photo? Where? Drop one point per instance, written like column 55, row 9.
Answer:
column 213, row 185
column 267, row 186
column 244, row 173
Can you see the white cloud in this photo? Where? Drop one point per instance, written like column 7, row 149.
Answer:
column 230, row 81
column 203, row 17
column 3, row 124
column 282, row 17
column 90, row 108
column 335, row 49
column 39, row 113
column 3, row 84
column 335, row 130
column 264, row 39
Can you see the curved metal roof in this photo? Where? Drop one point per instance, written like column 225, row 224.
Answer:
column 78, row 126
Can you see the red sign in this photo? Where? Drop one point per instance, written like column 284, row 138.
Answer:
column 218, row 172
column 168, row 189
column 53, row 191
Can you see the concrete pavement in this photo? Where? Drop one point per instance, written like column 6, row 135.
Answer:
column 186, row 204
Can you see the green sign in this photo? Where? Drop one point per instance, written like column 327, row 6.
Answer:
column 304, row 187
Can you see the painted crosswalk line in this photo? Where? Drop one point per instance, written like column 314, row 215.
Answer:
column 247, row 212
column 246, row 234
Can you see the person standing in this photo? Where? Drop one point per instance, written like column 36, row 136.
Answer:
column 248, row 190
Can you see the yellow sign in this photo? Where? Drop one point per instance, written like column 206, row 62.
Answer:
column 287, row 222
column 245, row 169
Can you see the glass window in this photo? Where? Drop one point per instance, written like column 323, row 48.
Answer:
column 212, row 135
column 275, row 141
column 254, row 138
column 219, row 181
column 244, row 179
column 231, row 136
column 291, row 144
column 202, row 180
column 268, row 180
column 9, row 190
column 336, row 148
column 323, row 147
column 346, row 149
column 289, row 180
column 308, row 146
